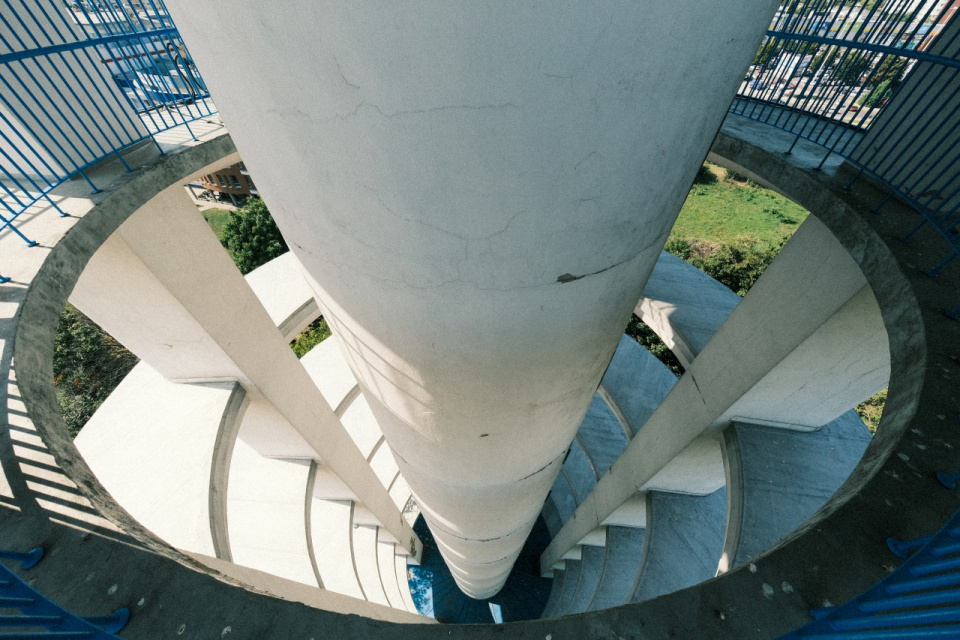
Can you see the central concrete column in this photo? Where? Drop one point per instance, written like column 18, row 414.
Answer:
column 478, row 192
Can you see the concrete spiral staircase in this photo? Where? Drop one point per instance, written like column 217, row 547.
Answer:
column 223, row 477
column 254, row 548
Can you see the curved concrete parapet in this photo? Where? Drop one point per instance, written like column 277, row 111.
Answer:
column 163, row 450
column 683, row 544
column 684, row 306
column 624, row 561
column 286, row 296
column 778, row 478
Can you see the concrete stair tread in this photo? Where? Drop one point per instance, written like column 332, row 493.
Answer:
column 362, row 426
column 329, row 371
column 266, row 514
column 579, row 472
column 624, row 561
column 637, row 382
column 601, row 435
column 788, row 475
column 384, row 465
column 694, row 303
column 368, row 568
column 684, row 542
column 285, row 294
column 151, row 444
column 562, row 497
column 331, row 524
column 400, row 568
column 551, row 517
column 388, row 574
column 591, row 571
column 556, row 594
column 570, row 584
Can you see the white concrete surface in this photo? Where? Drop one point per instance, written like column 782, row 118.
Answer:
column 153, row 444
column 403, row 583
column 266, row 512
column 281, row 289
column 384, row 465
column 368, row 567
column 469, row 197
column 386, row 560
column 331, row 524
column 164, row 287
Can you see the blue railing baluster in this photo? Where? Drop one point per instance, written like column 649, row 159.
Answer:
column 27, row 560
column 902, row 548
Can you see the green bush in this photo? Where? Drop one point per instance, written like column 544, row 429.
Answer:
column 643, row 334
column 317, row 332
column 252, row 237
column 88, row 364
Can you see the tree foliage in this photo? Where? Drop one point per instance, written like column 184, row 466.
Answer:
column 891, row 69
column 643, row 334
column 852, row 67
column 737, row 265
column 317, row 332
column 252, row 237
column 876, row 96
column 768, row 52
column 88, row 364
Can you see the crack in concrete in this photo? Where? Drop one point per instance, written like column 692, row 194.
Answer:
column 389, row 116
column 343, row 77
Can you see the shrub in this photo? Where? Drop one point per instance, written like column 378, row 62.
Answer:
column 252, row 237
column 317, row 332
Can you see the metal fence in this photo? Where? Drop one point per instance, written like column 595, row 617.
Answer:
column 81, row 81
column 877, row 82
column 921, row 599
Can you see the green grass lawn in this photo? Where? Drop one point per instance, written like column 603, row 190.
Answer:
column 216, row 218
column 729, row 210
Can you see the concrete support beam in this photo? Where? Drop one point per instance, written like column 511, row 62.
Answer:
column 163, row 286
column 810, row 280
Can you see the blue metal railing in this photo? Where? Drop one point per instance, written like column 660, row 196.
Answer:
column 878, row 83
column 80, row 82
column 38, row 617
column 921, row 599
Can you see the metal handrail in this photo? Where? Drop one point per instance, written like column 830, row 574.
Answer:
column 84, row 82
column 828, row 71
column 921, row 599
column 34, row 611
